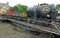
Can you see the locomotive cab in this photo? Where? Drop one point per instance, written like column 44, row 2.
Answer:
column 58, row 15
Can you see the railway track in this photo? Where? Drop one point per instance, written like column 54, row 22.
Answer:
column 34, row 27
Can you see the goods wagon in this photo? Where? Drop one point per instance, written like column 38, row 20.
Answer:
column 10, row 12
column 13, row 13
column 20, row 14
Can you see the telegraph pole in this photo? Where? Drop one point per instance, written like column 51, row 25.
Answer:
column 35, row 17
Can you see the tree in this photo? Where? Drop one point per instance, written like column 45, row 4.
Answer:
column 20, row 8
column 58, row 6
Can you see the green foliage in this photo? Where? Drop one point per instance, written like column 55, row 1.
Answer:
column 58, row 6
column 20, row 8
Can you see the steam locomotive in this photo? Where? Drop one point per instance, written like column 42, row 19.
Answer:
column 43, row 11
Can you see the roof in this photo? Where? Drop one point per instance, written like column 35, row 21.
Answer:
column 2, row 4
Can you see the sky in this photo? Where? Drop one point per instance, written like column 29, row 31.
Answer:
column 30, row 3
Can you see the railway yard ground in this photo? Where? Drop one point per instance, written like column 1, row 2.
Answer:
column 7, row 30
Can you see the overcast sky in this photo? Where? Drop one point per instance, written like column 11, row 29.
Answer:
column 30, row 2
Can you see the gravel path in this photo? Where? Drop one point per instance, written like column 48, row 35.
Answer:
column 8, row 31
